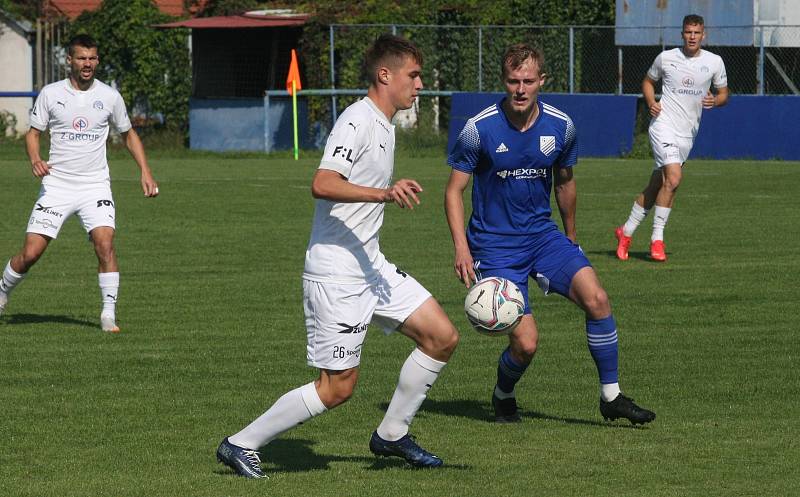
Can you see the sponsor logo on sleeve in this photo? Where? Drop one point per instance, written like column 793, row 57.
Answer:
column 343, row 152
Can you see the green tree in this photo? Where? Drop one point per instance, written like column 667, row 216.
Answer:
column 149, row 66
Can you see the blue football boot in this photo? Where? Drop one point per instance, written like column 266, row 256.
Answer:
column 245, row 462
column 406, row 448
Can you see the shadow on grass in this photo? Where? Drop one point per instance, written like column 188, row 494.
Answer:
column 296, row 455
column 19, row 319
column 479, row 411
column 642, row 256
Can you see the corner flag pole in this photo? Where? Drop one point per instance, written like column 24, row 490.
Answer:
column 294, row 118
column 292, row 86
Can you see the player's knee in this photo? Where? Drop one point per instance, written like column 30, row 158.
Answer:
column 338, row 395
column 596, row 304
column 104, row 250
column 27, row 258
column 672, row 182
column 338, row 389
column 447, row 344
column 524, row 349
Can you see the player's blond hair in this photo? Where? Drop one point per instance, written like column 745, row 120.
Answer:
column 517, row 54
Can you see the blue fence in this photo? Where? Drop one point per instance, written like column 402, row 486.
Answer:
column 751, row 127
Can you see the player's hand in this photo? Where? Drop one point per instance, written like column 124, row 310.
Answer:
column 149, row 186
column 655, row 109
column 464, row 268
column 404, row 193
column 709, row 101
column 40, row 168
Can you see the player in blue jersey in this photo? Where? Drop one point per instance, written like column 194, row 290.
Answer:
column 516, row 151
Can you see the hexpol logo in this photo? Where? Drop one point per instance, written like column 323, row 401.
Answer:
column 688, row 82
column 80, row 124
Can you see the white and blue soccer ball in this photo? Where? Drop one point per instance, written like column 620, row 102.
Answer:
column 494, row 306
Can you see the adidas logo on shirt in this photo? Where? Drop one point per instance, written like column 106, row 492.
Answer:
column 502, row 148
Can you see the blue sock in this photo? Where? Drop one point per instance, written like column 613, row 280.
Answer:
column 602, row 337
column 509, row 371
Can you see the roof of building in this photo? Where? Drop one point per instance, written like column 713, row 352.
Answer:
column 256, row 19
column 19, row 24
column 74, row 8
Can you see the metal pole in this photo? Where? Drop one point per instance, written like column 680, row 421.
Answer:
column 572, row 59
column 39, row 79
column 267, row 128
column 480, row 58
column 761, row 60
column 619, row 71
column 394, row 29
column 333, row 75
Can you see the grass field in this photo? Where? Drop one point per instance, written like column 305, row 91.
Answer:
column 211, row 312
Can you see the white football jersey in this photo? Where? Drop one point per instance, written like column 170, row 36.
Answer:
column 78, row 122
column 686, row 80
column 344, row 236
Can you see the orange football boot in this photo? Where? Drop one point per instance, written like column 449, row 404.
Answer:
column 658, row 252
column 623, row 242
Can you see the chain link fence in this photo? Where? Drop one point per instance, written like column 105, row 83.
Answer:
column 760, row 60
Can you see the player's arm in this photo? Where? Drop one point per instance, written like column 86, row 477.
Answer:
column 711, row 100
column 649, row 92
column 567, row 200
column 136, row 148
column 454, row 210
column 39, row 167
column 331, row 185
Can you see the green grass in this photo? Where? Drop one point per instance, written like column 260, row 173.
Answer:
column 211, row 312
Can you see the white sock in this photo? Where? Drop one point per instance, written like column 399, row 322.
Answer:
column 638, row 213
column 109, row 289
column 609, row 391
column 294, row 408
column 10, row 279
column 417, row 376
column 660, row 216
column 502, row 395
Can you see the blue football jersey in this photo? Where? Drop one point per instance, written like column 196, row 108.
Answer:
column 512, row 172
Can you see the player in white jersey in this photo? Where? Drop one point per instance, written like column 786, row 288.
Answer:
column 687, row 74
column 348, row 283
column 75, row 177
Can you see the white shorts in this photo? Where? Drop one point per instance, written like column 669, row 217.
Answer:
column 667, row 147
column 337, row 315
column 93, row 204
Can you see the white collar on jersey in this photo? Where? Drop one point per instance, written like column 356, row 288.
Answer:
column 74, row 91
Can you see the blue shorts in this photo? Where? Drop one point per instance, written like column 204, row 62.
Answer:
column 550, row 258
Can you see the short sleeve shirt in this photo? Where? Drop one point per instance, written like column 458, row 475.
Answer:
column 344, row 240
column 512, row 172
column 79, row 124
column 685, row 81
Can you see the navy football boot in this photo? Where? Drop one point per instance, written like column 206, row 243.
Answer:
column 623, row 407
column 505, row 410
column 245, row 462
column 406, row 448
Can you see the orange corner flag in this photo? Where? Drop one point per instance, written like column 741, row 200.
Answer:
column 294, row 75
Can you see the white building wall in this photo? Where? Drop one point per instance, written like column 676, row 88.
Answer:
column 16, row 61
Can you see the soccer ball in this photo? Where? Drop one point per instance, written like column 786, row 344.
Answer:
column 494, row 306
